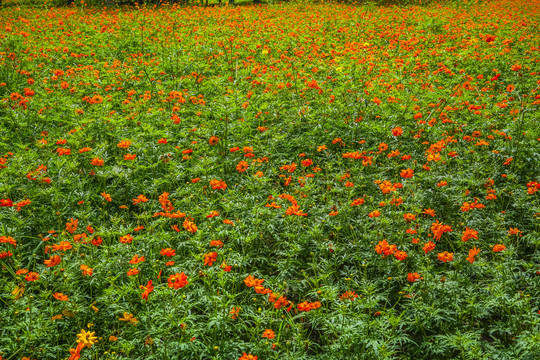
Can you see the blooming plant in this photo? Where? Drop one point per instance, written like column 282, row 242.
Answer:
column 297, row 180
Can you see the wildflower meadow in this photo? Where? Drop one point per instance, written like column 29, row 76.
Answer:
column 286, row 180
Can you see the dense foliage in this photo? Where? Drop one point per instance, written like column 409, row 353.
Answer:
column 291, row 181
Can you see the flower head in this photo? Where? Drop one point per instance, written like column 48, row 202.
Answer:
column 86, row 338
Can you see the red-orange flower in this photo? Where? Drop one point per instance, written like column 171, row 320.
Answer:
column 469, row 234
column 32, row 276
column 428, row 247
column 177, row 280
column 210, row 258
column 247, row 357
column 87, row 271
column 242, row 166
column 409, row 217
column 147, row 290
column 384, row 248
column 136, row 259
column 406, row 174
column 132, row 272
column 398, row 131
column 168, row 252
column 269, row 334
column 60, row 296
column 499, row 248
column 106, row 196
column 214, row 140
column 400, row 255
column 348, row 295
column 472, row 253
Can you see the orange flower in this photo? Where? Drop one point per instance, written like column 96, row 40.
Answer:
column 400, row 255
column 348, row 295
column 162, row 141
column 499, row 248
column 136, row 259
column 247, row 357
column 412, row 277
column 409, row 217
column 71, row 226
column 139, row 199
column 132, row 272
column 147, row 290
column 189, row 226
column 439, row 229
column 406, row 174
column 32, row 276
column 428, row 247
column 177, row 280
column 281, row 302
column 242, row 166
column 514, row 231
column 60, row 296
column 307, row 306
column 251, row 281
column 106, row 196
column 210, row 258
column 225, row 267
column 430, row 212
column 384, row 248
column 124, row 144
column 126, row 239
column 52, row 261
column 357, row 202
column 129, row 157
column 168, row 252
column 86, row 271
column 398, row 131
column 469, row 234
column 374, row 214
column 234, row 312
column 269, row 334
column 472, row 253
column 97, row 161
column 218, row 184
column 216, row 243
column 445, row 256
column 214, row 140
column 62, row 246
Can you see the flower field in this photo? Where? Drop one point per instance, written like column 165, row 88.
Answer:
column 282, row 181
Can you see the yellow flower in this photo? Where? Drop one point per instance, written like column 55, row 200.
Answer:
column 87, row 338
column 18, row 292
